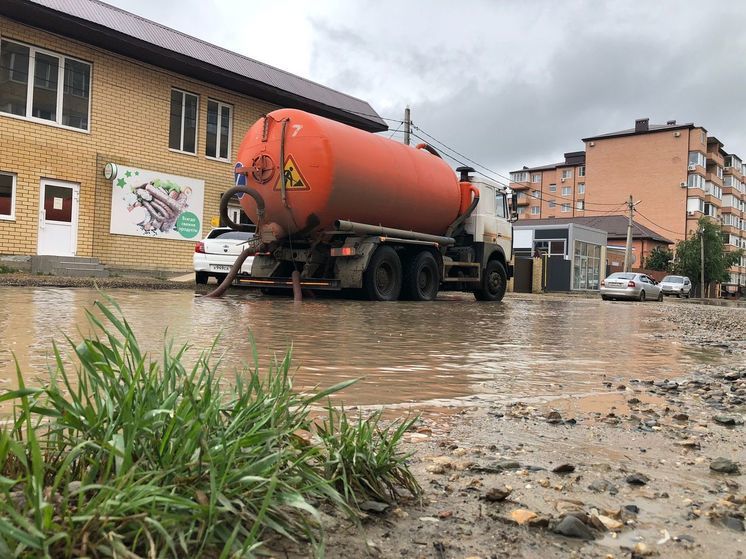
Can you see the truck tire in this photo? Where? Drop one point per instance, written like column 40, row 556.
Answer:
column 200, row 278
column 382, row 279
column 421, row 278
column 494, row 282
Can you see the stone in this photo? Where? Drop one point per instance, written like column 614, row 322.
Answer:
column 734, row 523
column 681, row 417
column 642, row 550
column 571, row 527
column 564, row 469
column 496, row 467
column 522, row 516
column 637, row 479
column 724, row 466
column 600, row 486
column 553, row 417
column 497, row 494
column 435, row 468
column 610, row 524
column 728, row 420
column 373, row 506
column 634, row 509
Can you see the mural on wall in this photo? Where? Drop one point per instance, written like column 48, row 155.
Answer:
column 153, row 204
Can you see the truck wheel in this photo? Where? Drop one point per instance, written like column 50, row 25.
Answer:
column 494, row 282
column 421, row 278
column 382, row 279
column 200, row 277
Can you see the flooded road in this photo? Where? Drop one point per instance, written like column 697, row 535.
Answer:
column 403, row 352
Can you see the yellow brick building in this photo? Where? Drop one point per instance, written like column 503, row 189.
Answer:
column 83, row 84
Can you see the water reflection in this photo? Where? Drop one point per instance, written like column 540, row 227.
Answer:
column 404, row 352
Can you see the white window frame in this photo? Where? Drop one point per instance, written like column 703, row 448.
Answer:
column 13, row 190
column 535, row 210
column 217, row 157
column 581, row 187
column 566, row 191
column 184, row 93
column 552, row 204
column 581, row 171
column 552, row 188
column 564, row 208
column 580, row 205
column 536, row 178
column 60, row 87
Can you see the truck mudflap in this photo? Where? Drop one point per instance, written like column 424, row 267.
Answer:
column 509, row 271
column 287, row 283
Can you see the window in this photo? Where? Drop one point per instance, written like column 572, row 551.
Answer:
column 566, row 173
column 552, row 248
column 580, row 204
column 552, row 188
column 552, row 203
column 566, row 191
column 520, row 176
column 719, row 171
column 581, row 188
column 695, row 181
column 535, row 210
column 586, row 266
column 501, row 205
column 536, row 194
column 7, row 196
column 182, row 135
column 697, row 158
column 521, row 210
column 733, row 162
column 703, row 137
column 536, row 177
column 40, row 98
column 565, row 208
column 581, row 171
column 712, row 188
column 218, row 140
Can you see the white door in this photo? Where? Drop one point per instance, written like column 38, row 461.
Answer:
column 58, row 218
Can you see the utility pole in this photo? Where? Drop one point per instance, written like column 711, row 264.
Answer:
column 407, row 125
column 702, row 262
column 628, row 251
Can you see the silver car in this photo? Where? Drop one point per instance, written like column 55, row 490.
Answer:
column 681, row 286
column 629, row 285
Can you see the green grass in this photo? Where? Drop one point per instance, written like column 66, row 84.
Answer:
column 126, row 456
column 7, row 270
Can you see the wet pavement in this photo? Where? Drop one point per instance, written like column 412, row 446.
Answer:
column 454, row 348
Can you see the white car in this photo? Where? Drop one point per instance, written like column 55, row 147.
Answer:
column 680, row 286
column 215, row 254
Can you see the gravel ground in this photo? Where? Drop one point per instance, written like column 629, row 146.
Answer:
column 129, row 282
column 642, row 468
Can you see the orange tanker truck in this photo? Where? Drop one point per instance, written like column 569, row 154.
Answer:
column 337, row 208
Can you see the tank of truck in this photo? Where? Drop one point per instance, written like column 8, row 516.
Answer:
column 337, row 172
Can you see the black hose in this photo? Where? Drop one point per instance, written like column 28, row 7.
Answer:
column 226, row 283
column 463, row 217
column 226, row 198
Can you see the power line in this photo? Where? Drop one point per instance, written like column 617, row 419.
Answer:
column 654, row 223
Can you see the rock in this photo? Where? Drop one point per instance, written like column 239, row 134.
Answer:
column 553, row 417
column 634, row 509
column 435, row 468
column 633, row 401
column 681, row 417
column 445, row 514
column 564, row 469
column 642, row 550
column 734, row 523
column 688, row 443
column 600, row 486
column 497, row 494
column 637, row 479
column 727, row 420
column 724, row 466
column 610, row 524
column 496, row 467
column 571, row 527
column 374, row 506
column 522, row 516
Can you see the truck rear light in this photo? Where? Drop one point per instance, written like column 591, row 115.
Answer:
column 630, row 283
column 199, row 247
column 343, row 251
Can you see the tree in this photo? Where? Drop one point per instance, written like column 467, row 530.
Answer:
column 717, row 259
column 660, row 259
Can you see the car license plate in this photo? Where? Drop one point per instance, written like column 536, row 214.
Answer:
column 219, row 268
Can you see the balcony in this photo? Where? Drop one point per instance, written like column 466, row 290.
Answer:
column 523, row 200
column 519, row 186
column 715, row 157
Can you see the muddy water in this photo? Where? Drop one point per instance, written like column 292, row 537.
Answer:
column 404, row 352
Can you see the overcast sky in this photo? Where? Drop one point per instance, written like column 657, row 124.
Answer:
column 506, row 83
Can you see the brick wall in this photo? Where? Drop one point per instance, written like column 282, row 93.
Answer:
column 129, row 125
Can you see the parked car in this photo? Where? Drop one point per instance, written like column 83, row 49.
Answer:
column 629, row 285
column 681, row 286
column 215, row 254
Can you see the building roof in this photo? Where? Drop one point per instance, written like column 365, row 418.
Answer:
column 572, row 159
column 648, row 130
column 96, row 23
column 614, row 225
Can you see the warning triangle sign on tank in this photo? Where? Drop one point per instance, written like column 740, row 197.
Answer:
column 294, row 179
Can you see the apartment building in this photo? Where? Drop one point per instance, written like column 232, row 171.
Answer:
column 102, row 110
column 677, row 173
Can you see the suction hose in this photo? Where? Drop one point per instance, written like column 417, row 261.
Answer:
column 253, row 245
